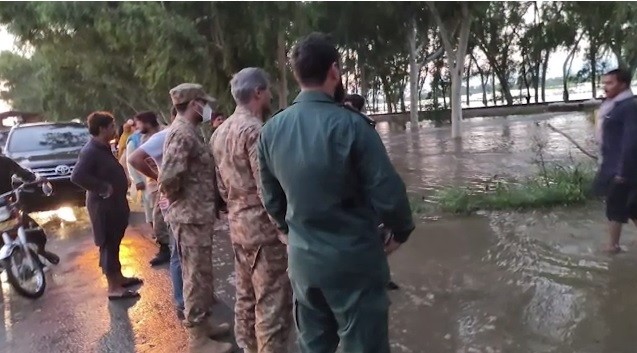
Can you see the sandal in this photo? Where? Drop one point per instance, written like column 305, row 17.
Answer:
column 127, row 294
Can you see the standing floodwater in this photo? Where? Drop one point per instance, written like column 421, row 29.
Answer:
column 507, row 281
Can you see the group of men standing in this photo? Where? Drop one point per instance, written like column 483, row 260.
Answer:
column 305, row 194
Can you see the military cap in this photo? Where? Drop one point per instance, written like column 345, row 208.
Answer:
column 187, row 92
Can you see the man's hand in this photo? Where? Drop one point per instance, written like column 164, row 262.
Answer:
column 140, row 186
column 392, row 246
column 108, row 193
column 619, row 180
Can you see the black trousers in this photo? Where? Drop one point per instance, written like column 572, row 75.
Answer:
column 621, row 198
column 109, row 256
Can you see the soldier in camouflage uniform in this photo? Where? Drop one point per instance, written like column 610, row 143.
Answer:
column 188, row 182
column 263, row 308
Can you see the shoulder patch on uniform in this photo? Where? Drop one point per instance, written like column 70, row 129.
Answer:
column 367, row 119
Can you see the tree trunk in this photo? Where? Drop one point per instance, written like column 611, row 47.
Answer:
column 364, row 86
column 505, row 89
column 593, row 60
column 536, row 81
column 456, row 99
column 545, row 66
column 282, row 60
column 444, row 96
column 388, row 95
column 494, row 98
column 403, row 107
column 456, row 53
column 525, row 80
column 566, row 68
column 467, row 82
column 482, row 79
column 484, row 89
column 422, row 79
column 413, row 78
column 374, row 101
column 434, row 92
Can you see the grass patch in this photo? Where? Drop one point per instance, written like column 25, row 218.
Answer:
column 554, row 186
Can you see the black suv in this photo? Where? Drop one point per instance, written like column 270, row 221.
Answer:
column 50, row 150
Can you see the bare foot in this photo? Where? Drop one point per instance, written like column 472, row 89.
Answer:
column 613, row 249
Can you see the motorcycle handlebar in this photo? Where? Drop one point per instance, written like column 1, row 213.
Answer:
column 16, row 191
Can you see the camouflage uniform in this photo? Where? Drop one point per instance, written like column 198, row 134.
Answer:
column 188, row 182
column 263, row 308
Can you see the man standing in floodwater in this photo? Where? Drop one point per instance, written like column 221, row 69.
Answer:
column 617, row 175
column 326, row 180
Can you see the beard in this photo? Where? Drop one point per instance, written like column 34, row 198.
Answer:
column 339, row 92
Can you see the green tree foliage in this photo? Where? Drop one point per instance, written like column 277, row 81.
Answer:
column 125, row 56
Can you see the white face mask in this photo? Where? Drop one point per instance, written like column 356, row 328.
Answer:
column 206, row 113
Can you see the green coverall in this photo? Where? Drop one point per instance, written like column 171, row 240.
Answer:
column 326, row 180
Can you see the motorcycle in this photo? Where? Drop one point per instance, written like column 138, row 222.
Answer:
column 18, row 257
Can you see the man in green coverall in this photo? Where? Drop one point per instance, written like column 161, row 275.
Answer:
column 326, row 178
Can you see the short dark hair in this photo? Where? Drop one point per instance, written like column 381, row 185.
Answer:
column 356, row 100
column 97, row 121
column 621, row 75
column 312, row 57
column 147, row 117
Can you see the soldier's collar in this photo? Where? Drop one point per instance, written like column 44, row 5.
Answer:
column 313, row 96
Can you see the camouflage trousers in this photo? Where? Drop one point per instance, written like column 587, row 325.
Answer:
column 263, row 309
column 194, row 244
column 160, row 227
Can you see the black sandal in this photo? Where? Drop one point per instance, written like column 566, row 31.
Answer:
column 127, row 294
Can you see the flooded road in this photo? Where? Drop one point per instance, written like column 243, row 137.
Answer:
column 506, row 281
column 502, row 282
column 429, row 158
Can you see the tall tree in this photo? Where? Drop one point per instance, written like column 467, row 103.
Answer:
column 496, row 34
column 454, row 22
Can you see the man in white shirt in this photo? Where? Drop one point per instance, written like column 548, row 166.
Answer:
column 146, row 160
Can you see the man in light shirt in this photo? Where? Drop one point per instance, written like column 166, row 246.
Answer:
column 146, row 160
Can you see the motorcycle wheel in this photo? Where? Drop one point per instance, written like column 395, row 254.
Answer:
column 20, row 271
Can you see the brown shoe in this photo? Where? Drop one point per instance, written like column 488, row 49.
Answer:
column 198, row 342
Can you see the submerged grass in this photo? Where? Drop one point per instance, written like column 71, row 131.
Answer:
column 554, row 186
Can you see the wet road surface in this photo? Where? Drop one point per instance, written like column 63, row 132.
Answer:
column 508, row 282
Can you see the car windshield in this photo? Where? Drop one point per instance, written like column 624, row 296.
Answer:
column 47, row 138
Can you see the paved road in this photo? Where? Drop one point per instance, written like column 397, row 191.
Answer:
column 451, row 300
column 74, row 315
